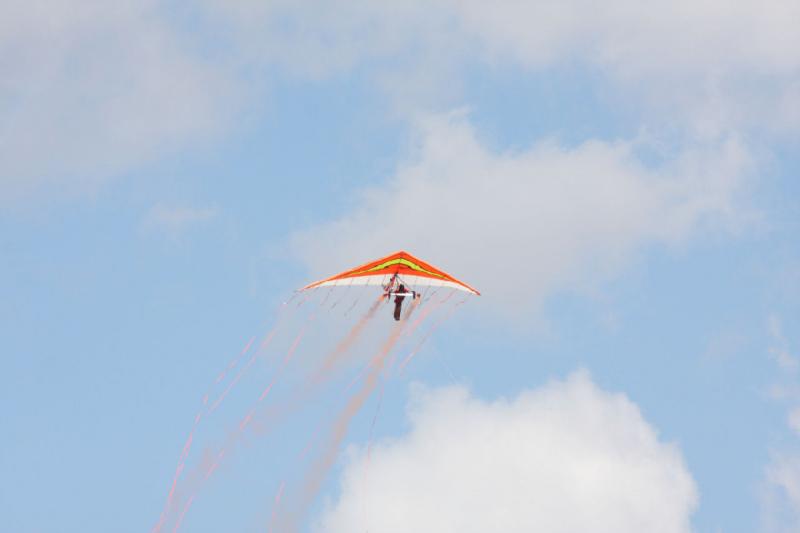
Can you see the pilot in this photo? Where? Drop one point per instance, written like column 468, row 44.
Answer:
column 398, row 300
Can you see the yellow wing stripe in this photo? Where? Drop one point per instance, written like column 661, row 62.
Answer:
column 399, row 261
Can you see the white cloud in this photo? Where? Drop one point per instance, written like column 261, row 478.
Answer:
column 174, row 220
column 567, row 457
column 712, row 65
column 781, row 483
column 781, row 494
column 779, row 350
column 793, row 420
column 519, row 225
column 91, row 88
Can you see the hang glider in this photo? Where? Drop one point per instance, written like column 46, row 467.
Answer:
column 391, row 271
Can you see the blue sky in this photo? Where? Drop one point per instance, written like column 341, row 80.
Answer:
column 622, row 186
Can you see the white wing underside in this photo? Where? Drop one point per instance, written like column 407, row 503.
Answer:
column 410, row 282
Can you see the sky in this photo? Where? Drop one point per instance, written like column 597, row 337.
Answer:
column 620, row 183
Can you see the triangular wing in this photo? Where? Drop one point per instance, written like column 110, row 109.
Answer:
column 411, row 270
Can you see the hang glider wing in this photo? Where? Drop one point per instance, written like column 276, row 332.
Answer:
column 407, row 268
